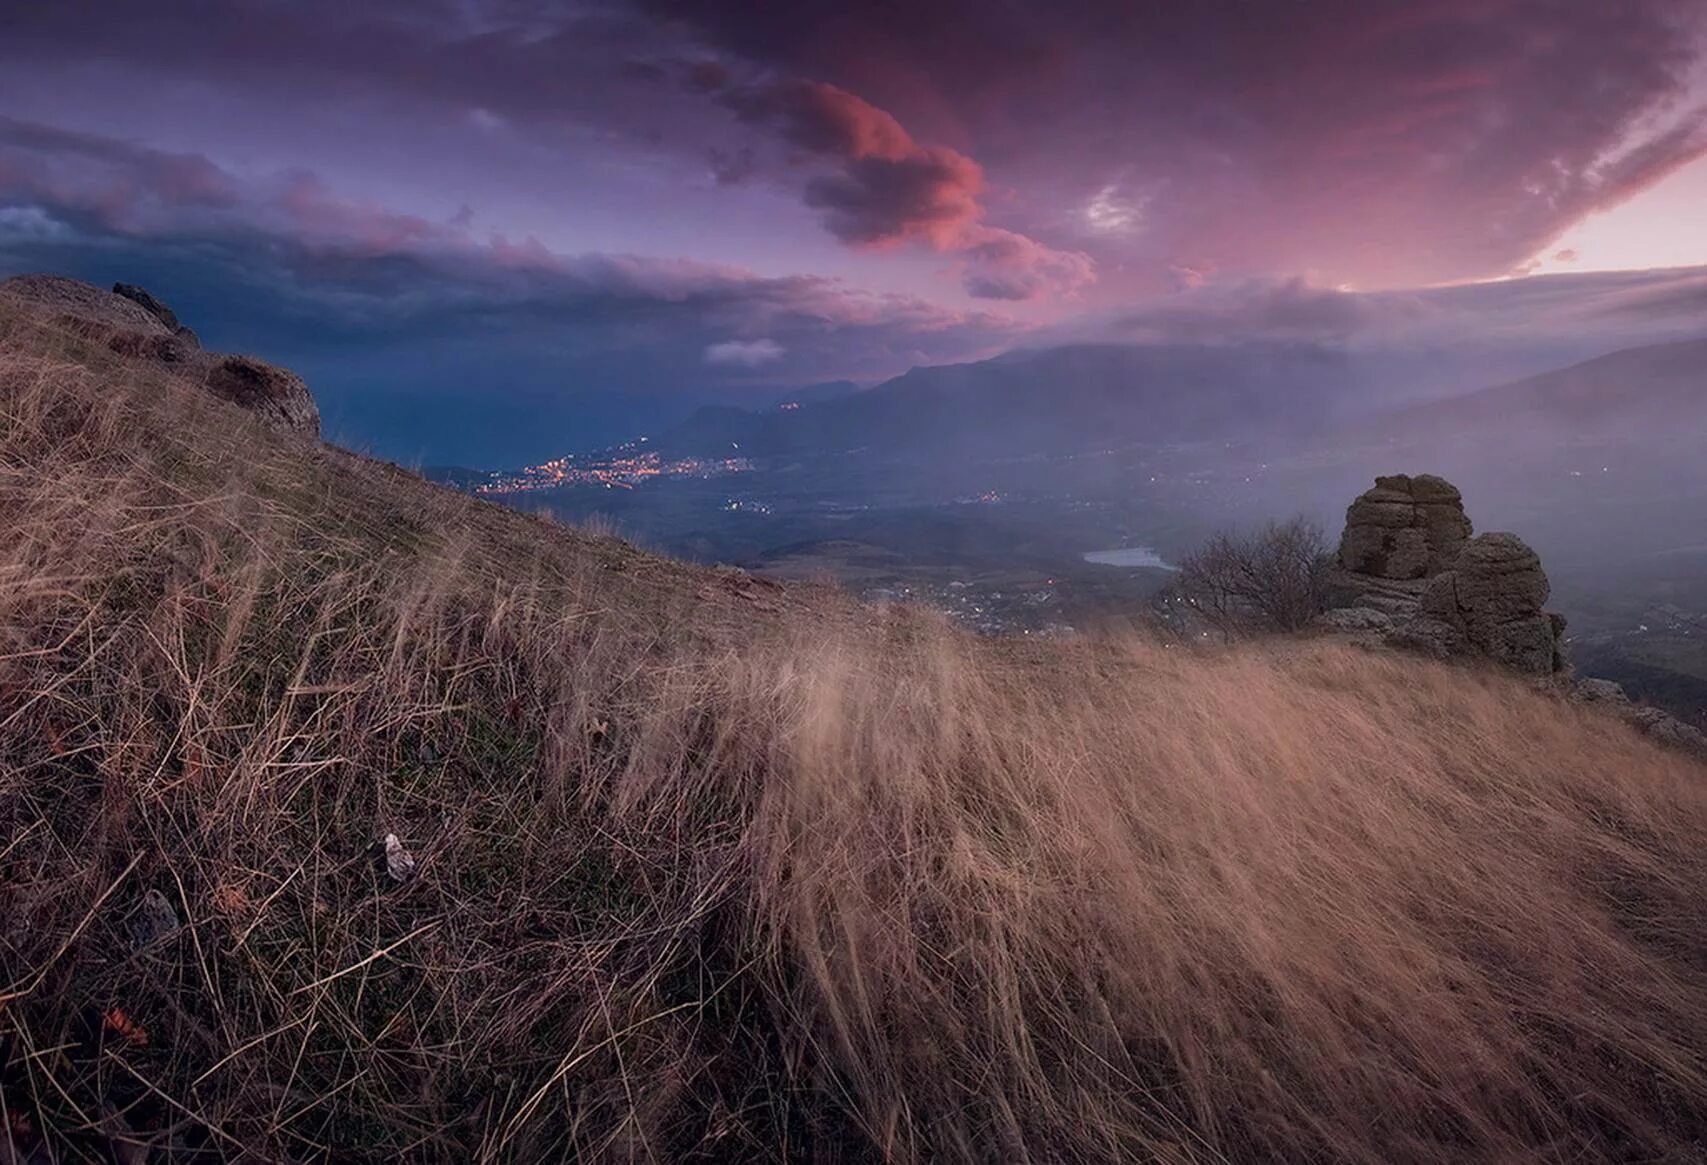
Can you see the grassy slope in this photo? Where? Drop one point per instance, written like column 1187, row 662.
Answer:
column 712, row 870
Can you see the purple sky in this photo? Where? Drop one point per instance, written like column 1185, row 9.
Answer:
column 515, row 216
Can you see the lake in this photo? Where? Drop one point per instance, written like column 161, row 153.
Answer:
column 1129, row 556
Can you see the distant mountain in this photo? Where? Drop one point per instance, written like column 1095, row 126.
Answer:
column 1048, row 401
column 809, row 394
column 1658, row 390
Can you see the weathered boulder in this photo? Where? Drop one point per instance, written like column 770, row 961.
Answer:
column 1404, row 528
column 1428, row 636
column 1493, row 596
column 167, row 317
column 276, row 395
column 136, row 325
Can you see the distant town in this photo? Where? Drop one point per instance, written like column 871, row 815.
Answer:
column 622, row 467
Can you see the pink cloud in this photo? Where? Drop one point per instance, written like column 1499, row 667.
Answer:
column 889, row 189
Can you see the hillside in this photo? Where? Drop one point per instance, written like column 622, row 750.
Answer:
column 1656, row 391
column 346, row 817
column 1046, row 401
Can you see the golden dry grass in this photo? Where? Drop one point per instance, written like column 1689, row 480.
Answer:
column 713, row 872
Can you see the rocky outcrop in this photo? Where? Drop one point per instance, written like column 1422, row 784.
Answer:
column 1662, row 727
column 167, row 317
column 136, row 325
column 1405, row 528
column 276, row 395
column 1493, row 597
column 1409, row 573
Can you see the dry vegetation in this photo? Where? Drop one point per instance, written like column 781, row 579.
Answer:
column 1271, row 579
column 706, row 871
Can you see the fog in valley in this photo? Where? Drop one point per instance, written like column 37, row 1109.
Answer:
column 1047, row 491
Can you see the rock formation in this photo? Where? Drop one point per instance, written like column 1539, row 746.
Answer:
column 1404, row 528
column 167, row 317
column 276, row 395
column 1409, row 572
column 1493, row 597
column 134, row 324
column 1660, row 726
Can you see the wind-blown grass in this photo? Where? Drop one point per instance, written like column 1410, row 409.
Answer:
column 709, row 870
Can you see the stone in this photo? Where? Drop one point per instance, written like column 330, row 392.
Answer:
column 1666, row 729
column 275, row 395
column 1404, row 528
column 167, row 317
column 1595, row 691
column 1354, row 619
column 1407, row 555
column 1525, row 645
column 1493, row 597
column 154, row 919
column 1431, row 637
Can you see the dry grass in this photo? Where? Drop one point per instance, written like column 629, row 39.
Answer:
column 707, row 871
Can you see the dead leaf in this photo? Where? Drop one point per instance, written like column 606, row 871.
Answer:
column 399, row 862
column 125, row 1028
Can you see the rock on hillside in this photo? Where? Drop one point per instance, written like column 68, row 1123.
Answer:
column 1409, row 575
column 167, row 317
column 1404, row 528
column 1409, row 571
column 1492, row 599
column 276, row 395
column 136, row 325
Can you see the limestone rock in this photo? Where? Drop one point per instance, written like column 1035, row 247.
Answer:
column 1355, row 619
column 1493, row 596
column 274, row 394
column 1407, row 554
column 1431, row 637
column 167, row 317
column 1666, row 729
column 1659, row 726
column 1595, row 691
column 1404, row 528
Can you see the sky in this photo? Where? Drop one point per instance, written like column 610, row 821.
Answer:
column 488, row 231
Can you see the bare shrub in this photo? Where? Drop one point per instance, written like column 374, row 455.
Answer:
column 1271, row 579
column 700, row 879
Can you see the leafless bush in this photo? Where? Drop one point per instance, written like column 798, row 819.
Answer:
column 1272, row 579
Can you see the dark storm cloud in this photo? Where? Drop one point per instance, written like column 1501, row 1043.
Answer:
column 604, row 66
column 380, row 305
column 1381, row 140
